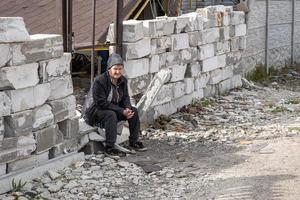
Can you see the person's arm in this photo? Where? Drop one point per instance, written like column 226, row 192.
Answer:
column 100, row 98
column 126, row 100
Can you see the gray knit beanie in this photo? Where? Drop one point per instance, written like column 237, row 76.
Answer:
column 114, row 59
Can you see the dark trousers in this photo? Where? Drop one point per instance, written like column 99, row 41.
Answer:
column 109, row 119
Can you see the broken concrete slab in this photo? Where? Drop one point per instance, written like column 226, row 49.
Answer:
column 139, row 84
column 17, row 77
column 61, row 87
column 164, row 95
column 5, row 53
column 42, row 117
column 5, row 104
column 63, row 109
column 137, row 49
column 135, row 68
column 40, row 47
column 177, row 72
column 27, row 98
column 13, row 30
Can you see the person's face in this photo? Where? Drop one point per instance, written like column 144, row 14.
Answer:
column 116, row 71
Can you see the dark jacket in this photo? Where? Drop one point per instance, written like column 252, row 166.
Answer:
column 101, row 89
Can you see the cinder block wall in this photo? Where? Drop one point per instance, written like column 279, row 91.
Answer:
column 37, row 108
column 203, row 50
column 280, row 34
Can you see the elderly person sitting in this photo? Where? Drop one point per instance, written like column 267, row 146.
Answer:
column 111, row 104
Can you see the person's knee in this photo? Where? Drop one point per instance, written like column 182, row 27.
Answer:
column 136, row 113
column 111, row 116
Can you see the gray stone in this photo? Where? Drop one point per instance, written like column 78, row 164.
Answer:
column 84, row 128
column 26, row 145
column 55, row 67
column 233, row 58
column 17, row 77
column 93, row 136
column 27, row 98
column 47, row 138
column 137, row 49
column 139, row 84
column 238, row 30
column 8, row 143
column 40, row 47
column 5, row 104
column 63, row 109
column 178, row 89
column 84, row 140
column 69, row 127
column 195, row 21
column 182, row 24
column 224, row 33
column 5, row 54
column 33, row 160
column 8, row 155
column 53, row 174
column 135, row 68
column 13, row 30
column 18, row 124
column 153, row 27
column 186, row 56
column 154, row 64
column 42, row 117
column 61, row 87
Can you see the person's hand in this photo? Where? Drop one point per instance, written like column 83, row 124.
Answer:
column 128, row 113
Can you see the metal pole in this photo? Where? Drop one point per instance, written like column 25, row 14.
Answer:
column 267, row 37
column 70, row 9
column 293, row 33
column 64, row 24
column 93, row 42
column 119, row 27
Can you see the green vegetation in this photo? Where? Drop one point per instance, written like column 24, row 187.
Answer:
column 293, row 101
column 294, row 129
column 278, row 109
column 17, row 187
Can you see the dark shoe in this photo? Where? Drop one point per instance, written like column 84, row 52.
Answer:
column 114, row 153
column 138, row 146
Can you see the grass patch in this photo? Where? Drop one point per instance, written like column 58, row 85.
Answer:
column 293, row 101
column 278, row 109
column 294, row 129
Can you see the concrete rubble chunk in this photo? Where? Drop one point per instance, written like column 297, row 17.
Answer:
column 27, row 98
column 69, row 127
column 163, row 96
column 139, row 84
column 5, row 54
column 13, row 30
column 5, row 104
column 179, row 41
column 26, row 145
column 61, row 87
column 137, row 49
column 84, row 128
column 195, row 21
column 210, row 35
column 42, row 117
column 132, row 30
column 206, row 51
column 237, row 17
column 182, row 24
column 63, row 109
column 40, row 47
column 178, row 72
column 135, row 68
column 33, row 160
column 18, row 124
column 47, row 138
column 55, row 67
column 160, row 45
column 93, row 136
column 17, row 77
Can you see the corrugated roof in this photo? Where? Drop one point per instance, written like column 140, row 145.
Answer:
column 44, row 16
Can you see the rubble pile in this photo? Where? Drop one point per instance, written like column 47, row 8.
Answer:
column 37, row 107
column 203, row 50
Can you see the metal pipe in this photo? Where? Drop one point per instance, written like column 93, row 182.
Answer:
column 93, row 42
column 267, row 36
column 64, row 24
column 119, row 27
column 70, row 13
column 293, row 33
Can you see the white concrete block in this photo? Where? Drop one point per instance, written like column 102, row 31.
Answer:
column 13, row 30
column 189, row 85
column 154, row 64
column 27, row 98
column 238, row 43
column 236, row 81
column 228, row 9
column 47, row 138
column 1, row 129
column 17, row 77
column 194, row 53
column 178, row 89
column 135, row 68
column 5, row 104
column 224, row 33
column 42, row 117
column 195, row 21
column 193, row 70
column 210, row 90
column 137, row 49
column 182, row 101
column 18, row 124
column 219, row 75
column 133, row 30
column 198, row 94
column 160, row 45
column 201, row 81
column 195, row 38
column 40, row 47
column 226, row 18
column 55, row 67
column 171, row 58
column 2, row 169
column 93, row 136
column 164, row 109
column 26, row 145
column 179, row 41
column 237, row 17
column 238, row 30
column 139, row 84
column 153, row 27
column 210, row 35
column 186, row 56
column 233, row 58
column 213, row 63
column 164, row 95
column 243, row 43
column 222, row 47
column 178, row 72
column 206, row 51
column 69, row 127
column 169, row 25
column 182, row 24
column 224, row 86
column 5, row 54
column 63, row 109
column 214, row 14
column 33, row 160
column 61, row 87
